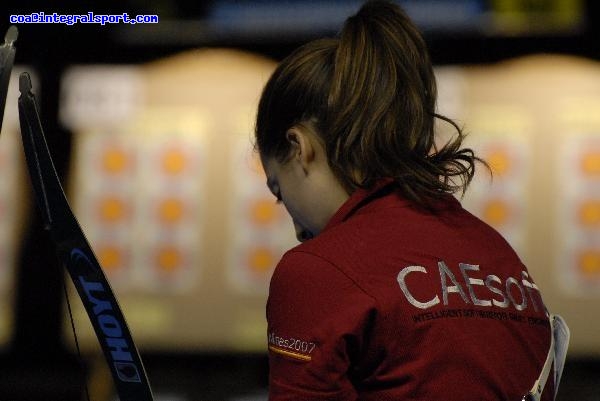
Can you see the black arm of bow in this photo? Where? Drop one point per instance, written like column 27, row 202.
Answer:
column 77, row 256
column 7, row 58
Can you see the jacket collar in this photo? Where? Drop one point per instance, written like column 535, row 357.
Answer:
column 385, row 192
column 358, row 199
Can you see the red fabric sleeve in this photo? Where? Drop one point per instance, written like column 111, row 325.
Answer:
column 318, row 321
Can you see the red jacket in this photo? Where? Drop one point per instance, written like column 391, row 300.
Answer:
column 390, row 302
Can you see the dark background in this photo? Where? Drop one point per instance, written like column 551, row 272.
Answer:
column 37, row 365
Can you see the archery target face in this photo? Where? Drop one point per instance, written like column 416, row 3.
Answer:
column 506, row 147
column 262, row 230
column 142, row 207
column 579, row 212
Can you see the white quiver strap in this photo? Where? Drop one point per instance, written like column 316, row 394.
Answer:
column 559, row 342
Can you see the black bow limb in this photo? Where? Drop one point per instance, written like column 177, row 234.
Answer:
column 76, row 254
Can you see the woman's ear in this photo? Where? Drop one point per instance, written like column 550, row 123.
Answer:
column 302, row 147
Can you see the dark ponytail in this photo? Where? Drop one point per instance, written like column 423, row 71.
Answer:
column 370, row 96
